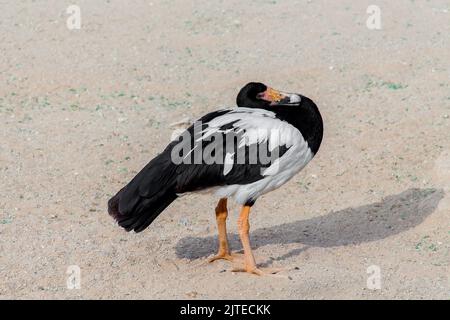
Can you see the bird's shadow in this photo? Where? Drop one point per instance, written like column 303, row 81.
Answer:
column 393, row 215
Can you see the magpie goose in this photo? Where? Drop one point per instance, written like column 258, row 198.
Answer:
column 240, row 153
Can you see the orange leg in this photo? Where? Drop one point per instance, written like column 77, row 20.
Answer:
column 221, row 217
column 249, row 259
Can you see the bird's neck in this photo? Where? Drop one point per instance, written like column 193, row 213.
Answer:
column 307, row 119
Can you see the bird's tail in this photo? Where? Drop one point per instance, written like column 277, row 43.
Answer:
column 145, row 197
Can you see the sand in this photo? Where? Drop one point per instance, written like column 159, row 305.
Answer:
column 82, row 111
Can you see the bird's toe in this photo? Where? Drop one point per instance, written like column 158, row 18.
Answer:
column 226, row 256
column 260, row 271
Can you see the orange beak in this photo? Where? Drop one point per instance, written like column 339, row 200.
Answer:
column 272, row 95
column 276, row 97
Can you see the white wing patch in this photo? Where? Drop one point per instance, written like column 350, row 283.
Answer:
column 258, row 125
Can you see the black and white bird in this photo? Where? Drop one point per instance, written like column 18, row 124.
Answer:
column 240, row 153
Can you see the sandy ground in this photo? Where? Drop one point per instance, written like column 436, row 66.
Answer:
column 82, row 111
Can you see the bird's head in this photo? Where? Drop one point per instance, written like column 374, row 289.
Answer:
column 258, row 95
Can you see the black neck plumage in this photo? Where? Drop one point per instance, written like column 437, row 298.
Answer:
column 306, row 118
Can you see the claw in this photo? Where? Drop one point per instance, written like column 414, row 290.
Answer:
column 225, row 256
column 261, row 272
